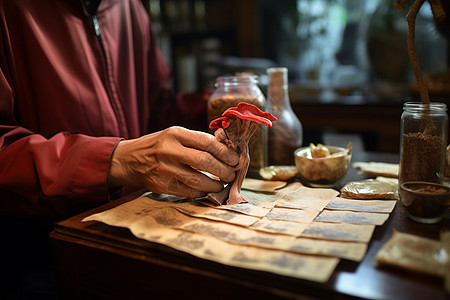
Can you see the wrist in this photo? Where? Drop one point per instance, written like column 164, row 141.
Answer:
column 113, row 177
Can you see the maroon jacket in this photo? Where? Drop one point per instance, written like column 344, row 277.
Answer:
column 68, row 92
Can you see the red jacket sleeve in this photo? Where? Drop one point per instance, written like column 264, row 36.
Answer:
column 63, row 174
column 49, row 178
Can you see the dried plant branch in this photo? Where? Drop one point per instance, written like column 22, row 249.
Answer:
column 411, row 18
column 439, row 15
column 437, row 9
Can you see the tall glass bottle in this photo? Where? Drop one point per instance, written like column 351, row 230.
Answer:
column 423, row 142
column 286, row 134
column 230, row 91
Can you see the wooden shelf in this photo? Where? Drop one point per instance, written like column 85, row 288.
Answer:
column 376, row 117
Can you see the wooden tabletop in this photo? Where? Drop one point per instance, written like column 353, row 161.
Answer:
column 95, row 260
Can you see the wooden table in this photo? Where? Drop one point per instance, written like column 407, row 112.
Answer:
column 97, row 261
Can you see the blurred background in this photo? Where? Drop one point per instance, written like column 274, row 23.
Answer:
column 349, row 70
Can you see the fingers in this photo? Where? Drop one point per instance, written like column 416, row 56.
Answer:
column 207, row 142
column 185, row 182
column 203, row 161
column 170, row 162
column 179, row 189
column 204, row 152
column 197, row 180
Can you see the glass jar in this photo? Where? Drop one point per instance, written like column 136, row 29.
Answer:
column 230, row 91
column 286, row 134
column 423, row 141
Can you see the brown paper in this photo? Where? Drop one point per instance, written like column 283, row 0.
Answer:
column 276, row 232
column 339, row 231
column 353, row 217
column 282, row 227
column 293, row 215
column 262, row 185
column 348, row 250
column 377, row 169
column 413, row 253
column 376, row 206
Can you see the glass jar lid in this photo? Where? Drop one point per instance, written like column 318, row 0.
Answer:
column 419, row 107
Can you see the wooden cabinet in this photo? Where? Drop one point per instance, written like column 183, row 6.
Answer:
column 194, row 34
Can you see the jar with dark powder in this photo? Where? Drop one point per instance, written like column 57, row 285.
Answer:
column 423, row 141
column 229, row 92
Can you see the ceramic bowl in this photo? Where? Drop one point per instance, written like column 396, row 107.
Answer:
column 322, row 171
column 425, row 202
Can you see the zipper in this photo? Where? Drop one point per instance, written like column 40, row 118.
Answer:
column 113, row 100
column 97, row 28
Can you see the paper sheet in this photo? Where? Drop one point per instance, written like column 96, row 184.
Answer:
column 295, row 231
column 378, row 168
column 352, row 217
column 376, row 206
column 339, row 231
column 414, row 253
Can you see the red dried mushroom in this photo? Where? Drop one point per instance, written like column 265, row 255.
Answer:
column 240, row 123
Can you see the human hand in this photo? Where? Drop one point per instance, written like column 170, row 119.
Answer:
column 170, row 161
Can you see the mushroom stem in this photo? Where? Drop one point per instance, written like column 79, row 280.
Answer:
column 242, row 122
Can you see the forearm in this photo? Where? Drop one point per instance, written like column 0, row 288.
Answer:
column 63, row 172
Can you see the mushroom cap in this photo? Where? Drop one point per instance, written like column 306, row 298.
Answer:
column 221, row 122
column 245, row 111
column 250, row 112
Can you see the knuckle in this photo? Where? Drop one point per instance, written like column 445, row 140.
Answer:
column 174, row 131
column 228, row 175
column 205, row 160
column 207, row 140
column 193, row 181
